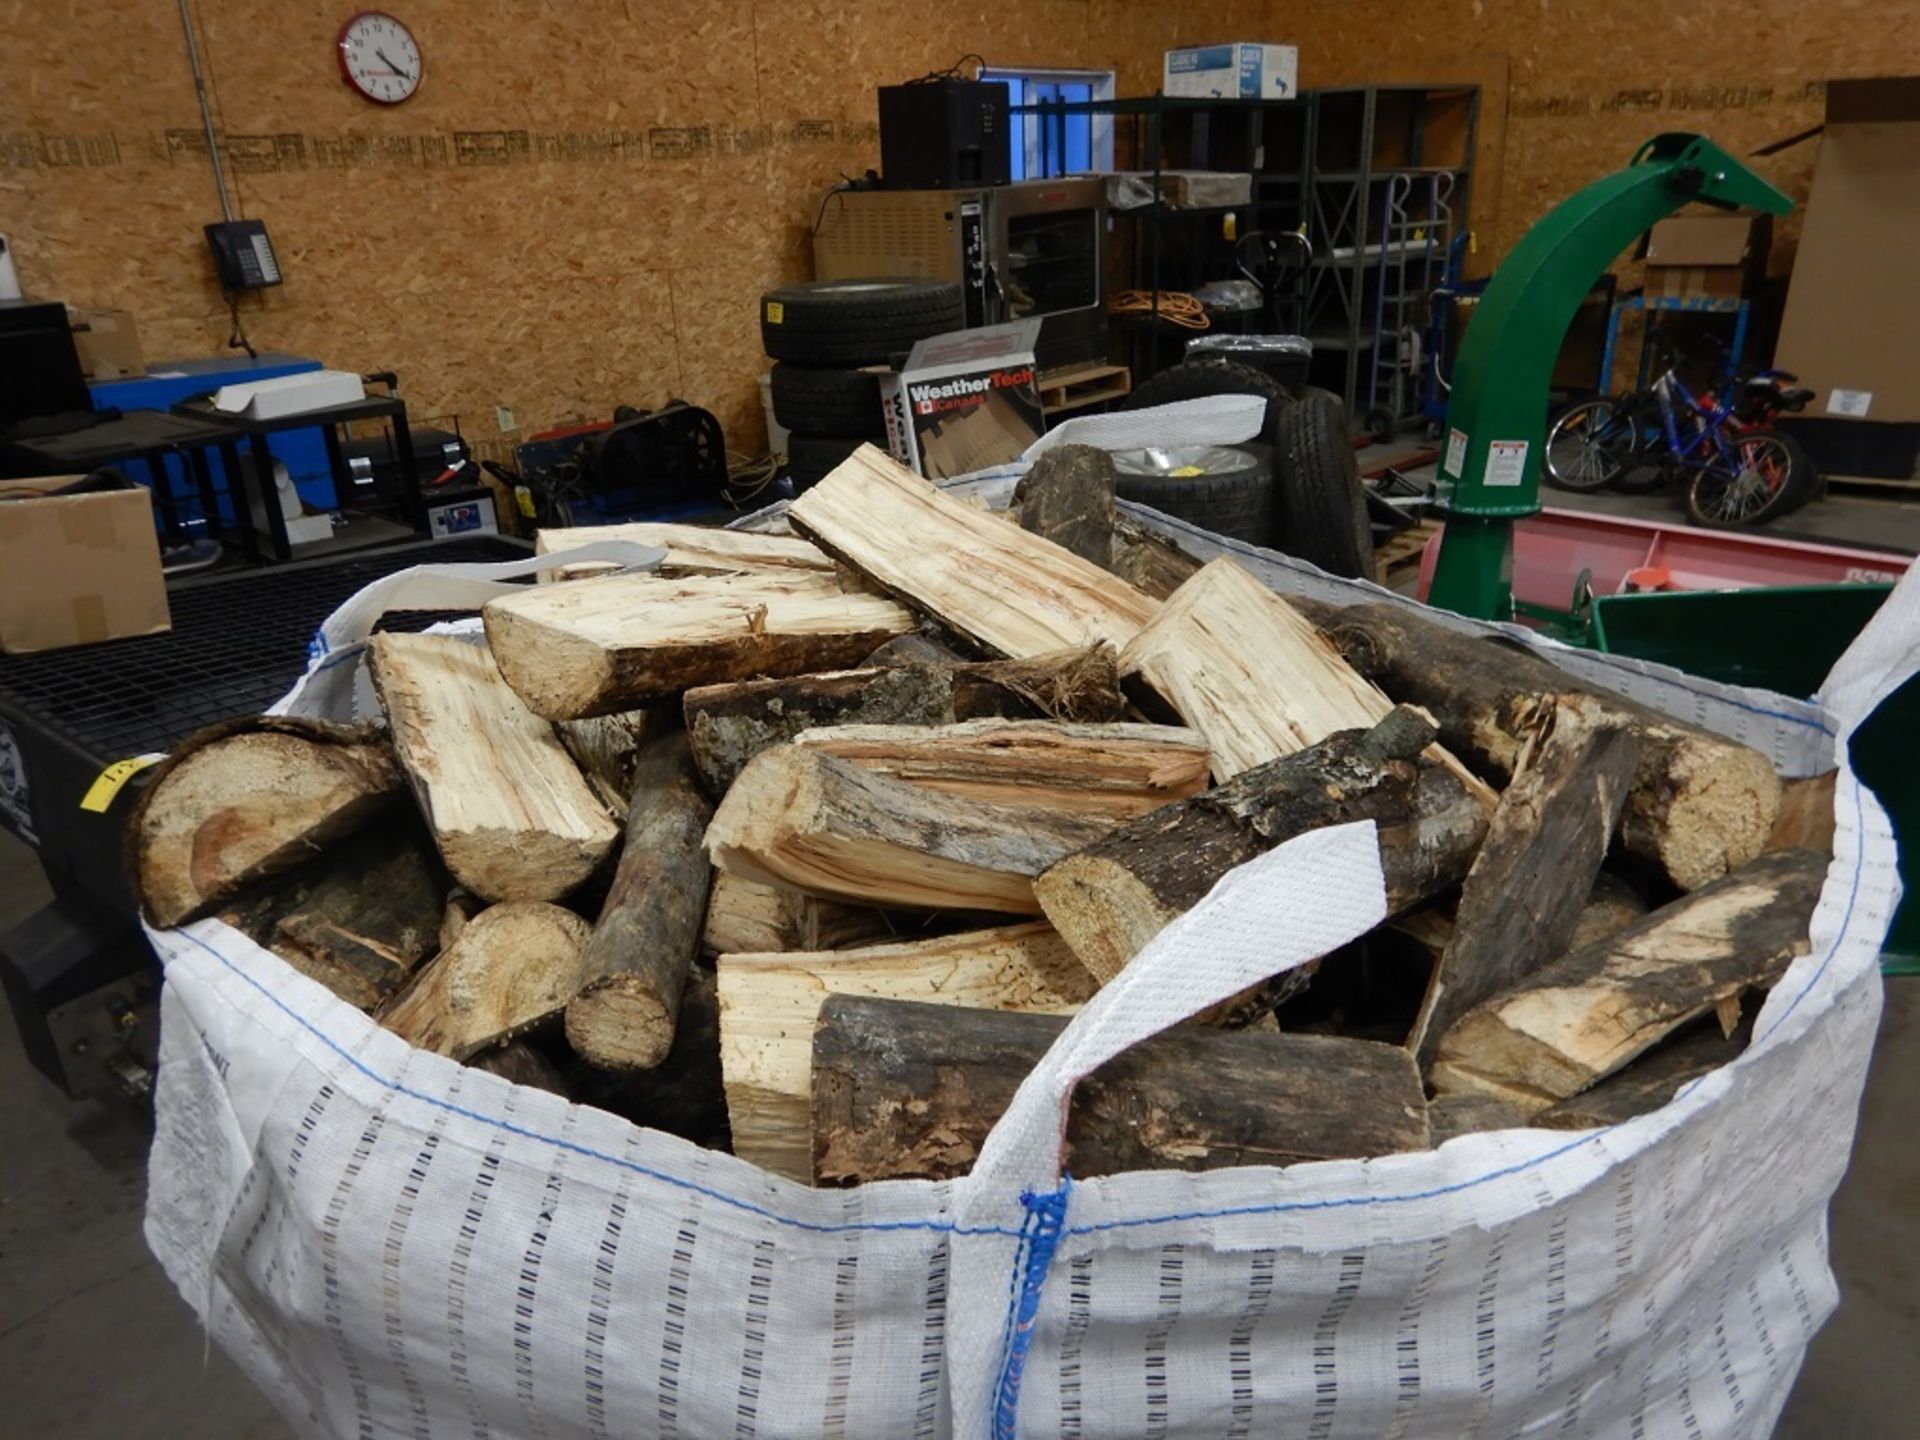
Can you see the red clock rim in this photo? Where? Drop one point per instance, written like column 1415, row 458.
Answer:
column 340, row 55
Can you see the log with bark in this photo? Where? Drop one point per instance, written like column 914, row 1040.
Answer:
column 1010, row 592
column 1611, row 906
column 691, row 549
column 745, row 916
column 1650, row 1081
column 1112, row 771
column 769, row 1004
column 1114, row 895
column 1578, row 1020
column 730, row 724
column 682, row 1095
column 1528, row 887
column 619, row 642
column 247, row 799
column 519, row 1062
column 360, row 918
column 1147, row 561
column 1067, row 497
column 648, row 934
column 1701, row 805
column 513, row 967
column 510, row 812
column 904, row 1090
column 799, row 818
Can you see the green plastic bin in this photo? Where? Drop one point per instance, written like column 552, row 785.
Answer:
column 1786, row 638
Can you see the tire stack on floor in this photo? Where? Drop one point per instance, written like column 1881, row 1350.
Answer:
column 826, row 336
column 1299, row 489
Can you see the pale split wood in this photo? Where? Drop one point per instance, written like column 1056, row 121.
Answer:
column 619, row 642
column 1116, row 771
column 1240, row 665
column 770, row 1002
column 246, row 799
column 1009, row 591
column 514, row 966
column 1576, row 1021
column 800, row 818
column 509, row 810
column 745, row 916
column 691, row 549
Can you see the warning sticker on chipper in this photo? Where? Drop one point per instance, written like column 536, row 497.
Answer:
column 1506, row 463
column 1456, row 457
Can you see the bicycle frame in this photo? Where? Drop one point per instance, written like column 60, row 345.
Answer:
column 1710, row 425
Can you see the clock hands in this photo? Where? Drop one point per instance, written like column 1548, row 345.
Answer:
column 381, row 55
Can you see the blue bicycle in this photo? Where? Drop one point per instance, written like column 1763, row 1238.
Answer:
column 1738, row 469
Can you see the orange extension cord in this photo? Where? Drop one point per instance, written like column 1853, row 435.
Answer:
column 1176, row 307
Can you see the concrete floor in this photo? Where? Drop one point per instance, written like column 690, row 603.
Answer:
column 95, row 1343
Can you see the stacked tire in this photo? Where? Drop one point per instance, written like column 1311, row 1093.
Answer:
column 826, row 338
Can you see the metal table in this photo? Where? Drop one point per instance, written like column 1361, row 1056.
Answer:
column 406, row 498
column 149, row 436
column 238, row 643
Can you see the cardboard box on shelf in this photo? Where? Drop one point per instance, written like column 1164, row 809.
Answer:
column 76, row 569
column 1708, row 257
column 108, row 342
column 1180, row 189
column 1242, row 70
column 965, row 400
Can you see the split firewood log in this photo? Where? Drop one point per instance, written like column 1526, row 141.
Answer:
column 1236, row 662
column 691, row 549
column 1701, row 804
column 799, row 818
column 250, row 798
column 1469, row 1113
column 514, row 966
column 359, row 919
column 1571, row 1024
column 647, row 937
column 1147, row 561
column 730, row 724
column 510, row 812
column 1652, row 1080
column 619, row 642
column 904, row 1090
column 1006, row 590
column 1067, row 497
column 1529, row 884
column 1805, row 821
column 918, row 648
column 745, row 916
column 769, row 1004
column 1111, row 897
column 1611, row 906
column 682, row 1095
column 1111, row 771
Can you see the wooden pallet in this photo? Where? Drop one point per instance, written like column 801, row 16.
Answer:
column 1079, row 386
column 1397, row 555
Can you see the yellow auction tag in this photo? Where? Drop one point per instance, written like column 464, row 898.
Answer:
column 100, row 794
column 776, row 312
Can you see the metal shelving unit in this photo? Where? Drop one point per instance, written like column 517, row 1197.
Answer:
column 1390, row 172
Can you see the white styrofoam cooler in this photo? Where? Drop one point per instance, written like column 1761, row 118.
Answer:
column 392, row 1244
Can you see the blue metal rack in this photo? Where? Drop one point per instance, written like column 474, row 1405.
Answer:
column 1741, row 311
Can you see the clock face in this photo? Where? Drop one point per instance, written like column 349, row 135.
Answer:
column 380, row 57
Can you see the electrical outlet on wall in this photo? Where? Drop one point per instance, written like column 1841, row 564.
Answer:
column 503, row 417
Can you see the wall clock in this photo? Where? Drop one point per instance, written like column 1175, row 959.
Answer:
column 379, row 57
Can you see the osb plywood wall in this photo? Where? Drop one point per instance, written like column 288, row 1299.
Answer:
column 584, row 200
column 1584, row 84
column 579, row 208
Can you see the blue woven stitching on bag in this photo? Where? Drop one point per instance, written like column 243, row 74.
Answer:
column 1047, row 1216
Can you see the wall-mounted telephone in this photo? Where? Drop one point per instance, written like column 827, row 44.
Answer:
column 243, row 255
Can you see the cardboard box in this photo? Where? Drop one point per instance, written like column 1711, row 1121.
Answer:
column 1708, row 256
column 1243, row 70
column 1853, row 308
column 77, row 569
column 108, row 343
column 965, row 401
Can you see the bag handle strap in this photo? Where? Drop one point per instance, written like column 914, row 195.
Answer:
column 1294, row 904
column 1882, row 658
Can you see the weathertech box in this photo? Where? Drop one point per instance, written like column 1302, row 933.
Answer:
column 965, row 400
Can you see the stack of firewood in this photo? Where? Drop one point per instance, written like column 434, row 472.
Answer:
column 809, row 844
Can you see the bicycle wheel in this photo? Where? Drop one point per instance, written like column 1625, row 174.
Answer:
column 1750, row 490
column 1590, row 446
